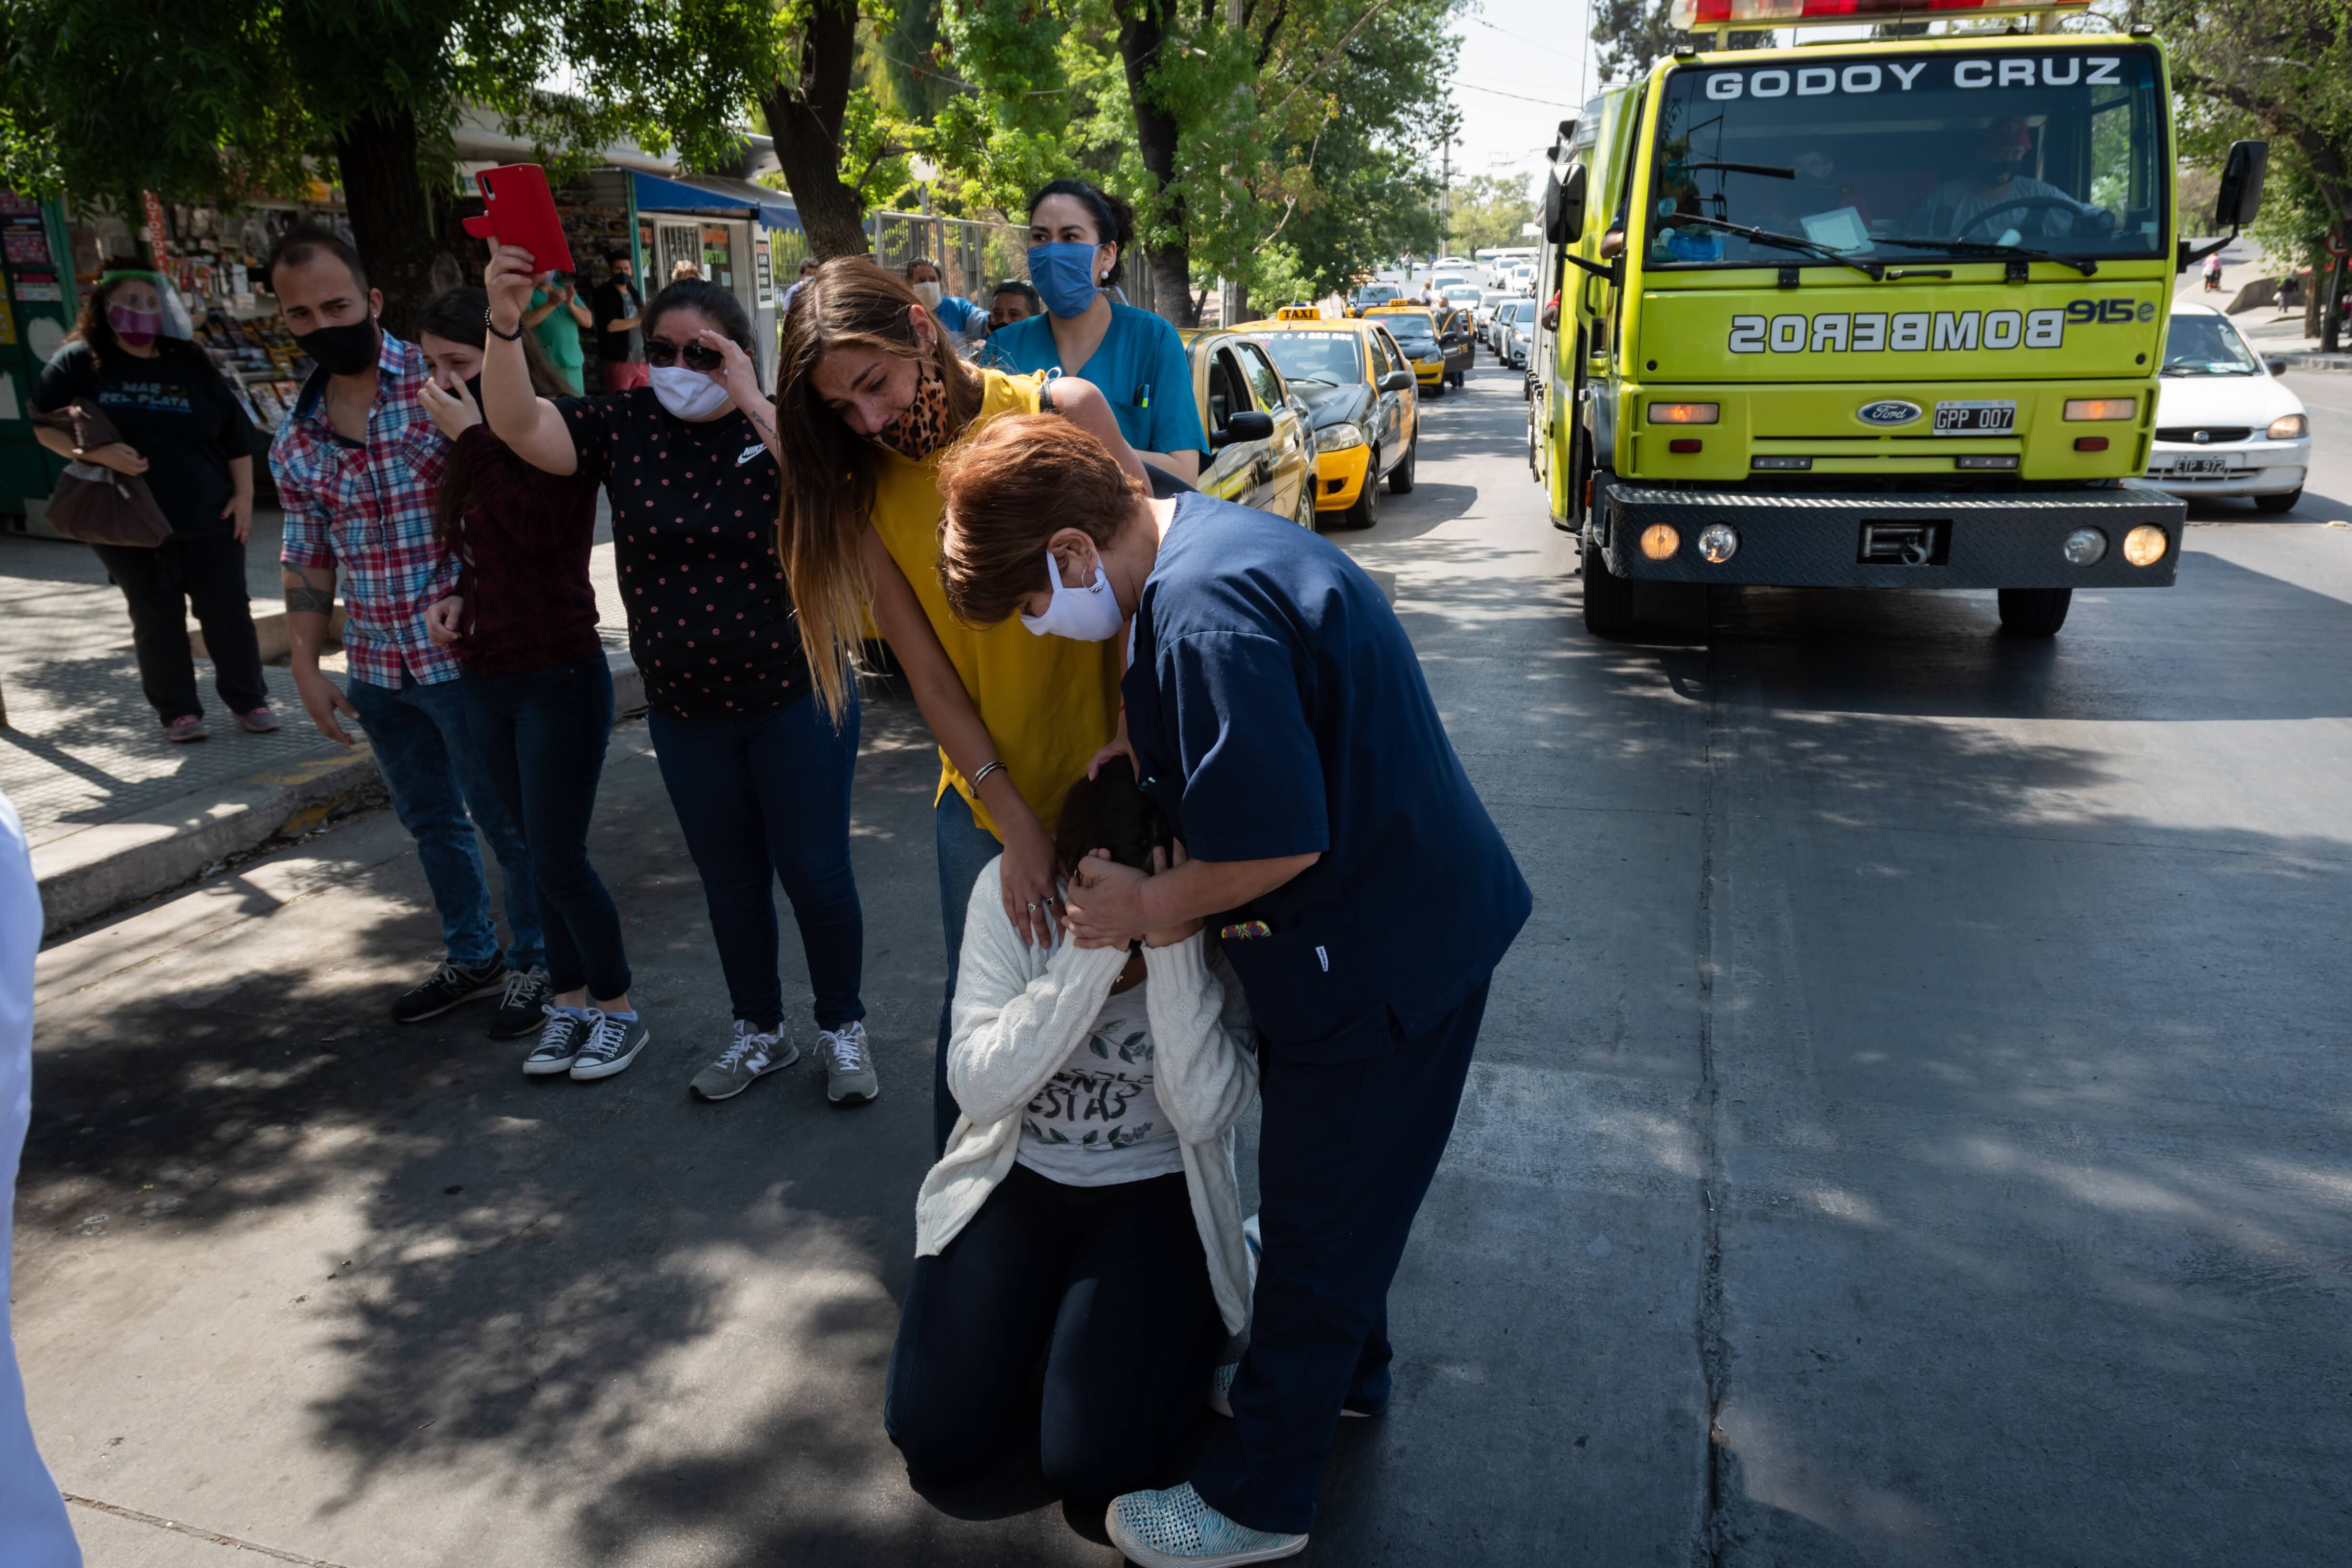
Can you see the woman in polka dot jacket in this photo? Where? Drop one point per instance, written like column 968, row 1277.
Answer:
column 759, row 775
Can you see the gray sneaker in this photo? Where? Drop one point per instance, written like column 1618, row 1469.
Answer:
column 751, row 1055
column 559, row 1040
column 612, row 1044
column 848, row 1065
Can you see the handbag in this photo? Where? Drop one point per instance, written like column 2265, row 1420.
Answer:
column 92, row 502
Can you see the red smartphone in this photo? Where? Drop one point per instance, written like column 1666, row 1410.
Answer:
column 519, row 210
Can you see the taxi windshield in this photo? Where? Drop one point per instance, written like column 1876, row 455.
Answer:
column 1409, row 327
column 1333, row 359
column 1894, row 158
column 2205, row 345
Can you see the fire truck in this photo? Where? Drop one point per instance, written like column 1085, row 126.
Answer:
column 1883, row 312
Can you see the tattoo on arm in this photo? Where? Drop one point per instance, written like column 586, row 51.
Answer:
column 304, row 595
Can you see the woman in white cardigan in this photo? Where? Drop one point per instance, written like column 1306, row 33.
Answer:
column 1086, row 1206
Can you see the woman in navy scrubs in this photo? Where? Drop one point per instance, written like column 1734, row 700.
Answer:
column 1360, row 890
column 1078, row 238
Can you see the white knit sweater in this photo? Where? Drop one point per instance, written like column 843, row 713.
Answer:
column 1018, row 1014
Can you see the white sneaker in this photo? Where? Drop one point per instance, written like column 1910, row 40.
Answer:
column 1178, row 1528
column 848, row 1065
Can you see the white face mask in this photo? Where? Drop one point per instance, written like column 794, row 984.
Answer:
column 1083, row 615
column 688, row 393
column 928, row 293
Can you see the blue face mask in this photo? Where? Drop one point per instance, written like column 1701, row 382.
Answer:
column 1064, row 277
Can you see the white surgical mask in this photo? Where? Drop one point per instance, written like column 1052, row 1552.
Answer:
column 928, row 293
column 1083, row 615
column 688, row 393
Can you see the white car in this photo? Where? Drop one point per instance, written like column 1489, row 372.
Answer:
column 1523, row 278
column 1483, row 314
column 1498, row 330
column 2225, row 424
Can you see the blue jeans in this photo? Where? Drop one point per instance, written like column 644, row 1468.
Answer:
column 425, row 746
column 541, row 735
column 761, row 799
column 965, row 849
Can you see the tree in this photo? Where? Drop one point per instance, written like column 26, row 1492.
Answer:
column 1489, row 210
column 210, row 100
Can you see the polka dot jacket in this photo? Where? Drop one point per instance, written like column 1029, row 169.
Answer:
column 694, row 529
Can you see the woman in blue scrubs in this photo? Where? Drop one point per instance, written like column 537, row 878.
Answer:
column 1358, row 888
column 1078, row 238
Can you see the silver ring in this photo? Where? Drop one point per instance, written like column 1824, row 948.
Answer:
column 1033, row 909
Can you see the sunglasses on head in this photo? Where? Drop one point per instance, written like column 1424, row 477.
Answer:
column 694, row 356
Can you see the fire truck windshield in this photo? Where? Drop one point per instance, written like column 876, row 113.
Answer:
column 1901, row 158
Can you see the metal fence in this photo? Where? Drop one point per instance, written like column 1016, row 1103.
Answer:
column 975, row 257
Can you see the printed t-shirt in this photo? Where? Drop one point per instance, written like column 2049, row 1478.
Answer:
column 175, row 411
column 694, row 531
column 1277, row 708
column 1049, row 703
column 1140, row 367
column 1098, row 1121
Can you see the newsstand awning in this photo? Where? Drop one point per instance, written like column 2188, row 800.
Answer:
column 715, row 195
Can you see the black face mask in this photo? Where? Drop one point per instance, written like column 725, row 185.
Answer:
column 341, row 350
column 474, row 390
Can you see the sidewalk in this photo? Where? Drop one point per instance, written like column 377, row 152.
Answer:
column 114, row 812
column 2274, row 334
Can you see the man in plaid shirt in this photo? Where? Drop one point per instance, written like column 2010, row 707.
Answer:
column 358, row 464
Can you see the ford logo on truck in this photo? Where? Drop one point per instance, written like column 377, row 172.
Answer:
column 1887, row 411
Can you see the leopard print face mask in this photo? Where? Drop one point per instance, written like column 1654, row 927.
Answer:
column 923, row 429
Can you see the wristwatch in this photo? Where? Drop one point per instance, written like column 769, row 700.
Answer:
column 492, row 328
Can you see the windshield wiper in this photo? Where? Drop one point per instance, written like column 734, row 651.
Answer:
column 1987, row 248
column 1874, row 270
column 1770, row 171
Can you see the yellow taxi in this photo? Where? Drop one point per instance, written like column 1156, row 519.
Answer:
column 1260, row 453
column 1362, row 401
column 1416, row 331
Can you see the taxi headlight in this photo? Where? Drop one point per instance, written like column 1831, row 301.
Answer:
column 2144, row 546
column 2289, row 428
column 1659, row 541
column 1338, row 437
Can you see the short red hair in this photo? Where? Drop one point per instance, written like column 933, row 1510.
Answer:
column 1010, row 486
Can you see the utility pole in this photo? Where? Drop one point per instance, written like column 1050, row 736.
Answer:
column 1449, row 127
column 1232, row 298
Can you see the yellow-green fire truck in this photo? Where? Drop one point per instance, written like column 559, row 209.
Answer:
column 1868, row 314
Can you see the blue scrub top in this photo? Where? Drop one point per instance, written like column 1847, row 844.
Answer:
column 1140, row 366
column 1277, row 708
column 961, row 314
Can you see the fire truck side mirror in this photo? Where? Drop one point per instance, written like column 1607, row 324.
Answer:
column 1564, row 206
column 2242, row 185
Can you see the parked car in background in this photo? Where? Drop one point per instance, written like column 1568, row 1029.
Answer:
column 1498, row 330
column 2225, row 424
column 1483, row 314
column 1372, row 296
column 1261, row 450
column 1523, row 278
column 1416, row 331
column 1365, row 409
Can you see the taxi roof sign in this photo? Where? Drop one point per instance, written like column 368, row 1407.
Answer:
column 1299, row 313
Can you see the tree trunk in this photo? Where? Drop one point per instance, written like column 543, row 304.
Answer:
column 804, row 119
column 1142, row 28
column 391, row 214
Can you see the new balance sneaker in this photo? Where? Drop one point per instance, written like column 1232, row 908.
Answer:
column 446, row 986
column 559, row 1040
column 521, row 1005
column 612, row 1043
column 1176, row 1528
column 751, row 1055
column 848, row 1065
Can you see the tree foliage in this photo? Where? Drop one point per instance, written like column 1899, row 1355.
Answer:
column 1488, row 210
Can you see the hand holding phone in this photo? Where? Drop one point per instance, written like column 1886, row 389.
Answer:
column 519, row 210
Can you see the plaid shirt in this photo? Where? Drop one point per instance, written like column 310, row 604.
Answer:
column 368, row 510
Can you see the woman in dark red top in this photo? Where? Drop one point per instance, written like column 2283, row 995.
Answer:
column 538, row 695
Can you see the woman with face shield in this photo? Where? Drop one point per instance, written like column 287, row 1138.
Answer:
column 759, row 773
column 870, row 394
column 130, row 355
column 1079, row 236
column 536, row 693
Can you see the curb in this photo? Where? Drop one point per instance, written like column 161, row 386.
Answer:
column 2339, row 364
column 111, row 865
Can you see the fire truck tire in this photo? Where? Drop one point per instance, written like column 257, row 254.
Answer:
column 1608, row 598
column 2034, row 612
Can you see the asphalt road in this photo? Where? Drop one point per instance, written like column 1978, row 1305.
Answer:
column 1911, row 1130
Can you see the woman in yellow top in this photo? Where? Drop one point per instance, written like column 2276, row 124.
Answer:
column 869, row 392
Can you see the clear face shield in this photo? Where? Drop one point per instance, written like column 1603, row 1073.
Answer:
column 172, row 314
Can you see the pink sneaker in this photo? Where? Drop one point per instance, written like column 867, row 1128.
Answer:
column 259, row 721
column 187, row 727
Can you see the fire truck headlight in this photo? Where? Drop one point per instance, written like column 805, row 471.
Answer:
column 2085, row 547
column 2144, row 546
column 1719, row 542
column 1659, row 541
